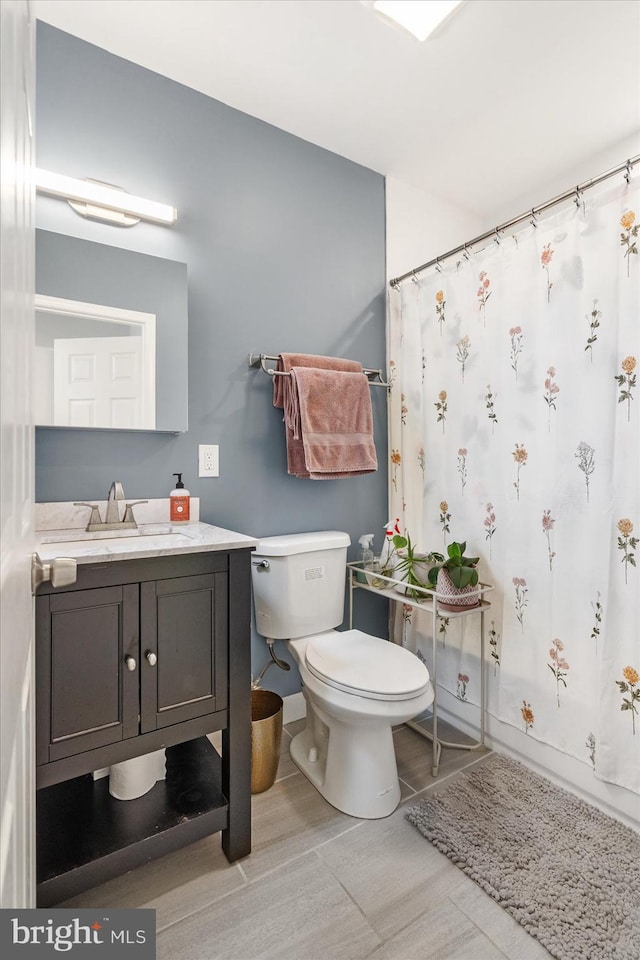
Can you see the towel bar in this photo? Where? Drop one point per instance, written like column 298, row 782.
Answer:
column 258, row 360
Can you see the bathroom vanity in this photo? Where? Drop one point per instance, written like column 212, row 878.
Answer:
column 148, row 649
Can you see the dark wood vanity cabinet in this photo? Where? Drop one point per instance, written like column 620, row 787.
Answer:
column 139, row 655
column 115, row 662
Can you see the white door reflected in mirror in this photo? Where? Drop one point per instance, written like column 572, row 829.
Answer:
column 95, row 366
column 97, row 381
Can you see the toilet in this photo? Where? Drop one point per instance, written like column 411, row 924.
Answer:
column 356, row 687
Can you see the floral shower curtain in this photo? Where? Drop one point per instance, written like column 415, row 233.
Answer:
column 515, row 426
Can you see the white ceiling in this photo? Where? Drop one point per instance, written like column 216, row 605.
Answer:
column 509, row 93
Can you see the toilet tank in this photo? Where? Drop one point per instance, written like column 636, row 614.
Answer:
column 301, row 591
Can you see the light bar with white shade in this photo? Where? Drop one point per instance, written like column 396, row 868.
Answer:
column 103, row 198
column 419, row 17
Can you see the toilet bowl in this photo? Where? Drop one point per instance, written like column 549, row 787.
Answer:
column 346, row 749
column 356, row 687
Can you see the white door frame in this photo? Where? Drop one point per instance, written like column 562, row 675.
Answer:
column 146, row 323
column 17, row 286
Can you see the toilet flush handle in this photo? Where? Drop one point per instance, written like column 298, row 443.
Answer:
column 261, row 564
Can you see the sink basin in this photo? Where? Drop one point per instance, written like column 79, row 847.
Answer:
column 146, row 530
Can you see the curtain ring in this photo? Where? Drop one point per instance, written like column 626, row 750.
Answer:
column 414, row 277
column 534, row 219
column 497, row 238
column 438, row 265
column 628, row 170
column 465, row 253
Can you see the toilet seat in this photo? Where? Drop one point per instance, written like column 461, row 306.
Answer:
column 365, row 666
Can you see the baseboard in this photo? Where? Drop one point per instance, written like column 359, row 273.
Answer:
column 295, row 708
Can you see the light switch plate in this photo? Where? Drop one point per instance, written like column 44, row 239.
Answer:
column 208, row 460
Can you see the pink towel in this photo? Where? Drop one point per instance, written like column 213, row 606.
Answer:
column 329, row 424
column 287, row 361
column 282, row 386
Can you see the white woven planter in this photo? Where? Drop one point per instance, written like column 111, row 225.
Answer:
column 455, row 598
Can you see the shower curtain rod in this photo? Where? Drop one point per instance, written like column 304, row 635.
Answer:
column 495, row 233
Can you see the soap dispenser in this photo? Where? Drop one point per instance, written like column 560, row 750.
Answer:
column 366, row 555
column 179, row 500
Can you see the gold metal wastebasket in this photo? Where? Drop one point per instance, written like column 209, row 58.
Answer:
column 266, row 735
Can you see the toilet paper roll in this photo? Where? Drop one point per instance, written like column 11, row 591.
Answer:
column 133, row 778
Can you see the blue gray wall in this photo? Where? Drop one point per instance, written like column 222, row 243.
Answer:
column 284, row 247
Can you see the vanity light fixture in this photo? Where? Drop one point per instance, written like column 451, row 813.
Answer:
column 103, row 201
column 419, row 17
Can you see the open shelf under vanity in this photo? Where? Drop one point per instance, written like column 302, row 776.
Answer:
column 86, row 837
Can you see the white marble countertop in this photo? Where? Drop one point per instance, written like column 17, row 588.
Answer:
column 151, row 540
column 155, row 539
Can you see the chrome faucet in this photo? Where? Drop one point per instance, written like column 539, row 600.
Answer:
column 116, row 494
column 112, row 519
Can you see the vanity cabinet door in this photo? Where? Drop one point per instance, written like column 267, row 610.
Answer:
column 183, row 653
column 87, row 695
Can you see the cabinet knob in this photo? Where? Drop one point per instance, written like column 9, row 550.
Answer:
column 130, row 662
column 151, row 658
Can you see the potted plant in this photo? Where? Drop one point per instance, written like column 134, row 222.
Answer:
column 413, row 567
column 386, row 563
column 456, row 579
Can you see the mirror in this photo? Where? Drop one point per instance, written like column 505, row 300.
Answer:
column 111, row 337
column 95, row 366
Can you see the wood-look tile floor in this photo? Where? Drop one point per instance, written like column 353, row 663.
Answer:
column 320, row 885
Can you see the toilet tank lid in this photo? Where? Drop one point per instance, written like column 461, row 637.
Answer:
column 290, row 543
